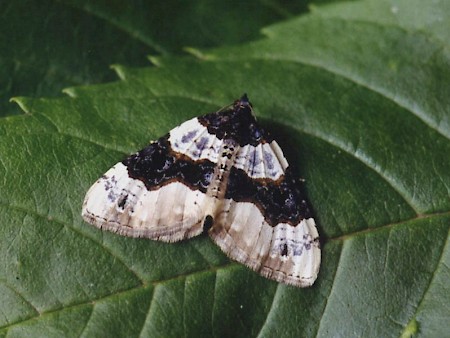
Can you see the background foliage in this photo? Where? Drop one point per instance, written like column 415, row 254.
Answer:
column 355, row 92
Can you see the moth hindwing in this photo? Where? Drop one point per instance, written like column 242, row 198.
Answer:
column 221, row 173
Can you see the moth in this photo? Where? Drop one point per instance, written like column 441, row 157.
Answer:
column 219, row 173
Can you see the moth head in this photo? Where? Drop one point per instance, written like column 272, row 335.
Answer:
column 243, row 103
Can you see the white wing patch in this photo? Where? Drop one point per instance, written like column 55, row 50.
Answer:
column 122, row 204
column 263, row 161
column 220, row 173
column 192, row 139
column 285, row 253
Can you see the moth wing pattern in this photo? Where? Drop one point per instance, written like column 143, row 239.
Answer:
column 221, row 173
column 284, row 251
column 123, row 205
column 169, row 212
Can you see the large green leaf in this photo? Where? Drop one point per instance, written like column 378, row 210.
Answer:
column 45, row 45
column 356, row 95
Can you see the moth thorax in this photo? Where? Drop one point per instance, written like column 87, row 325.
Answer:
column 225, row 160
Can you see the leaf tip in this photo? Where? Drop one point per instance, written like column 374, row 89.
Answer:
column 197, row 53
column 155, row 60
column 70, row 91
column 119, row 69
column 411, row 329
column 21, row 102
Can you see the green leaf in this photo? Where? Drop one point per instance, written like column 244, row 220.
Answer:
column 357, row 101
column 47, row 45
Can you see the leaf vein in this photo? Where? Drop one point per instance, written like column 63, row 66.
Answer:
column 88, row 320
column 329, row 294
column 363, row 159
column 74, row 229
column 445, row 248
column 150, row 304
column 275, row 295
